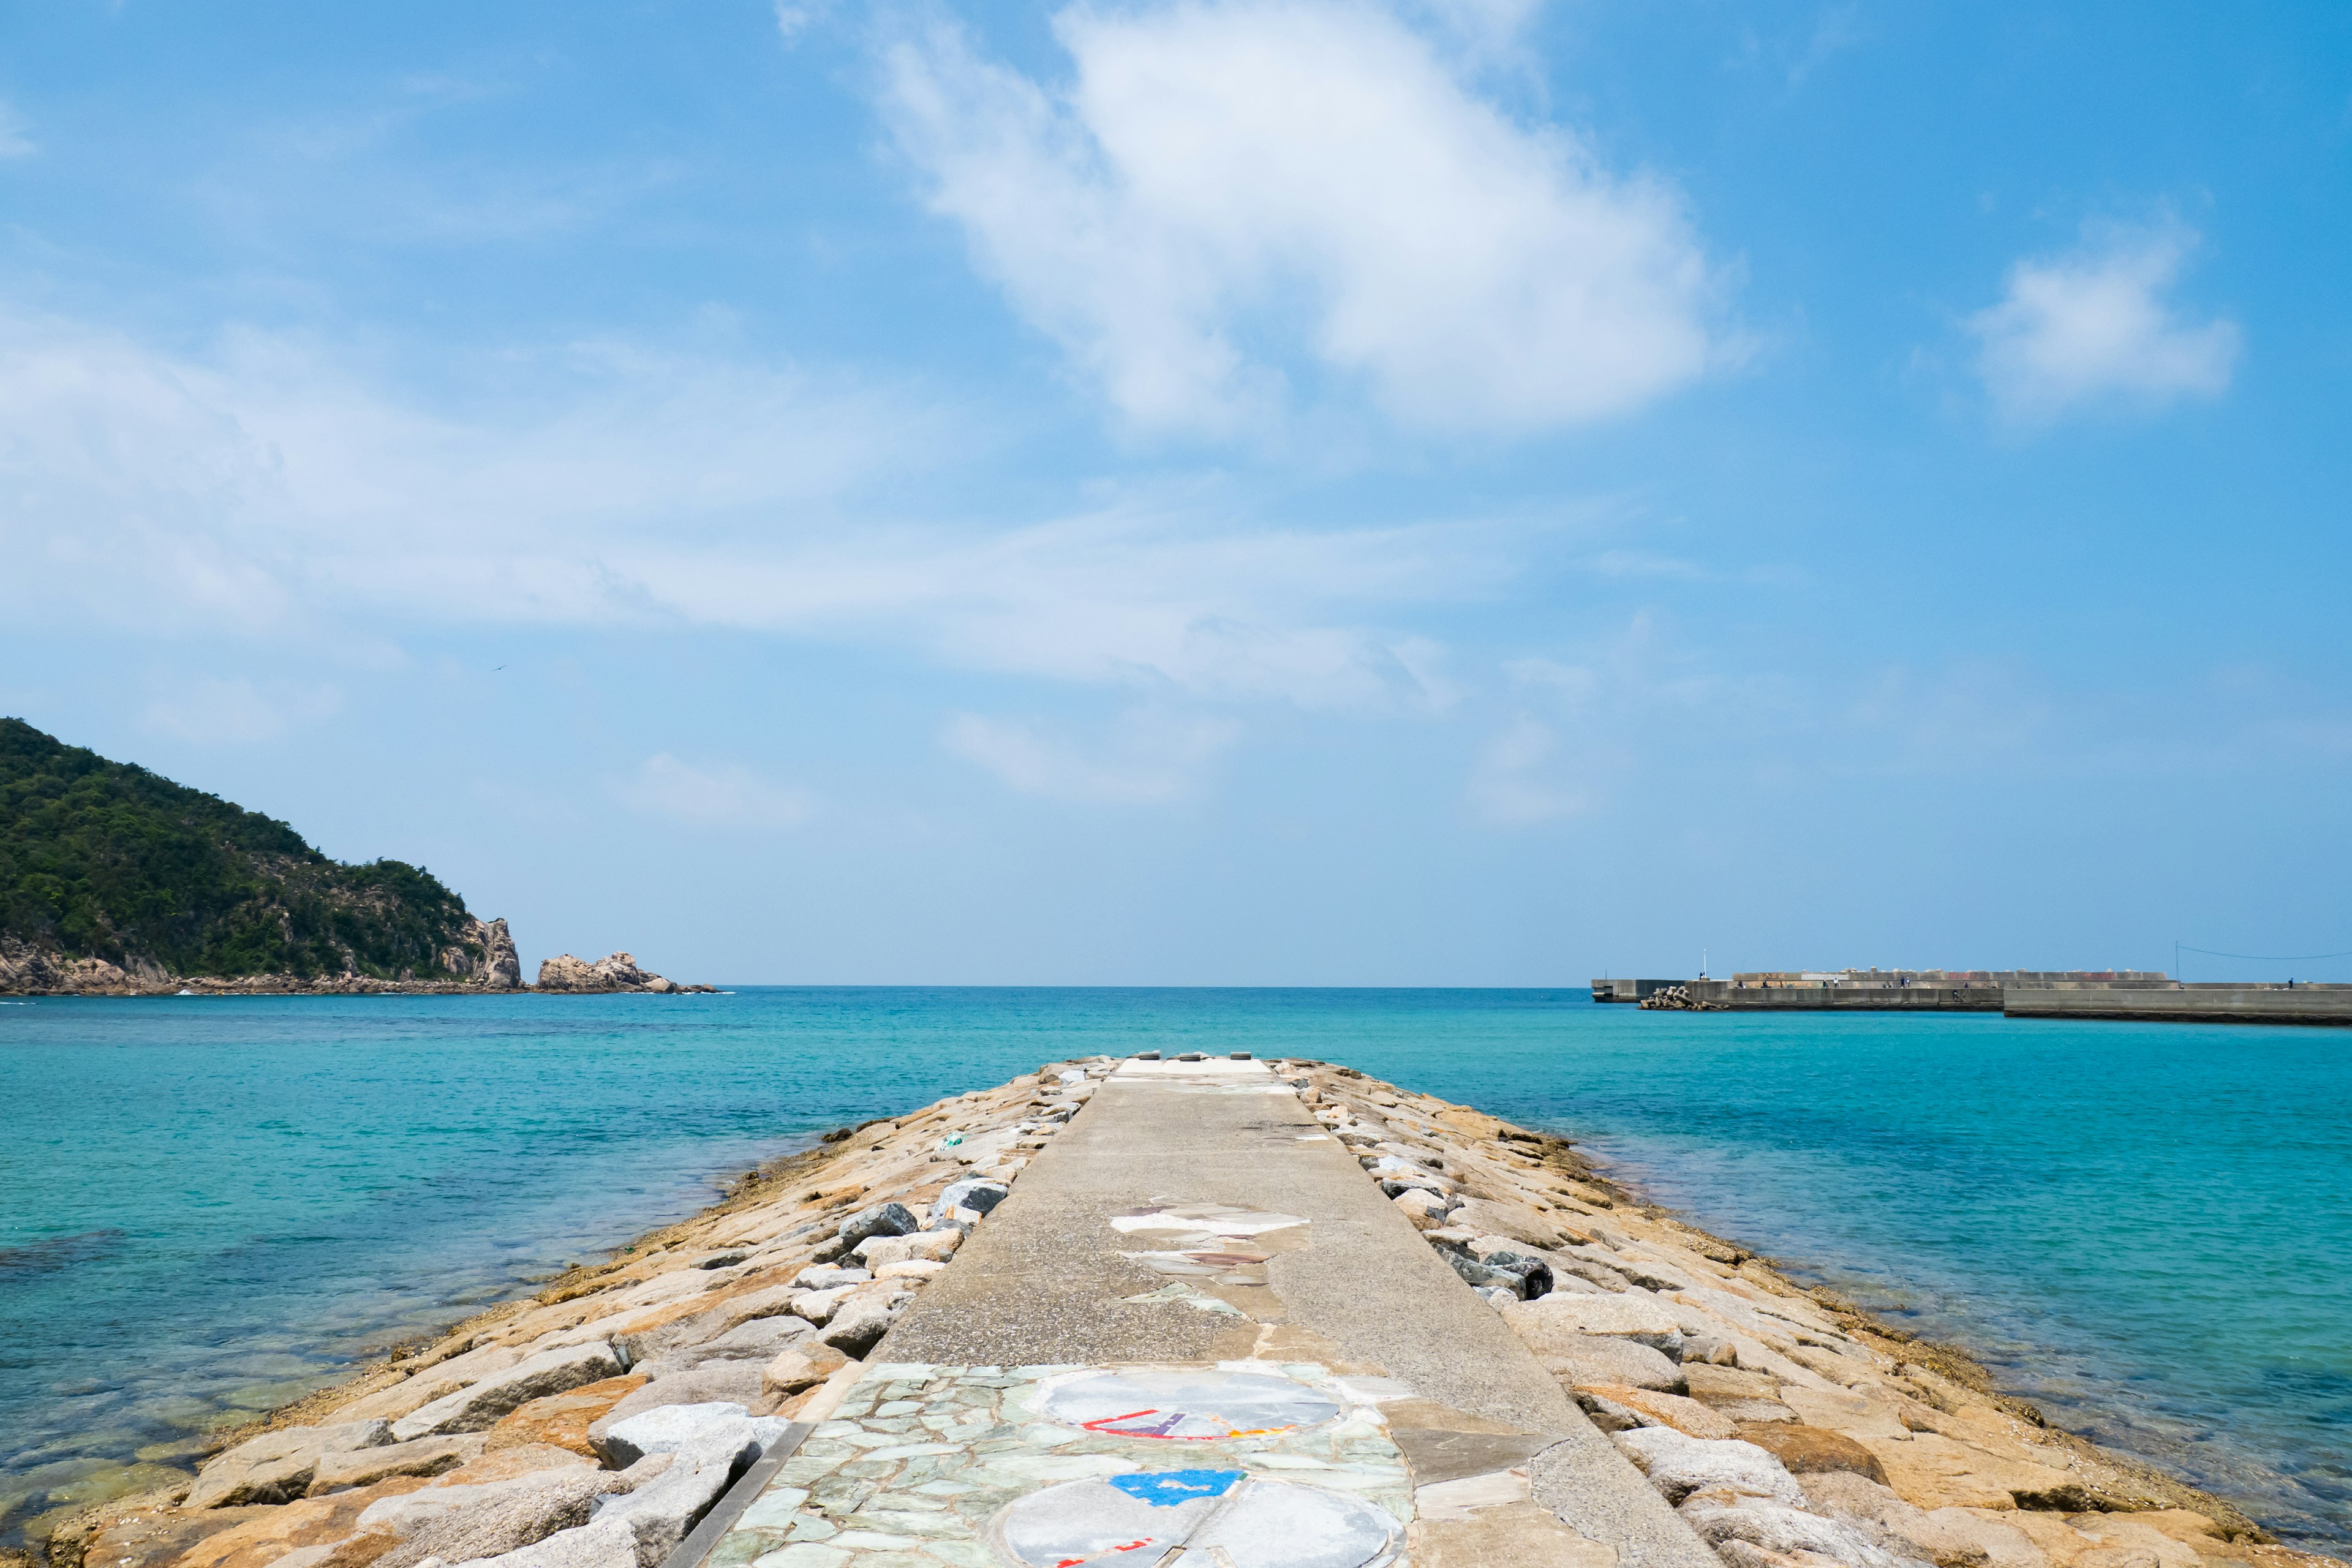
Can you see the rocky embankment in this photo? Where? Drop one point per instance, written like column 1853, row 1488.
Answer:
column 481, row 962
column 482, row 959
column 595, row 1422
column 1789, row 1428
column 593, row 1425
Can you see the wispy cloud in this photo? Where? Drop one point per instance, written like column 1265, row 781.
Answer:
column 14, row 141
column 2094, row 327
column 1150, row 756
column 211, row 711
column 1228, row 191
column 795, row 17
column 269, row 487
column 723, row 794
column 1518, row 779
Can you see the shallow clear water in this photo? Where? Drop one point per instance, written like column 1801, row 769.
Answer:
column 212, row 1205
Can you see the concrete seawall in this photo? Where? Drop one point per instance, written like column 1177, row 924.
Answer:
column 2153, row 1001
column 2188, row 1004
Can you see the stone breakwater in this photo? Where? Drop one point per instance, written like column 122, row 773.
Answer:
column 595, row 1424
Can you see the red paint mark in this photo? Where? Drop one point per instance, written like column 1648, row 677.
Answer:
column 1114, row 1552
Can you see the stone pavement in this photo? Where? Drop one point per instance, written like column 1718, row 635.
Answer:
column 1198, row 1336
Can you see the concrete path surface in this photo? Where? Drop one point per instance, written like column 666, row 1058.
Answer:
column 1198, row 1335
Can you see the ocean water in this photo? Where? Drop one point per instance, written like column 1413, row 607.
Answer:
column 208, row 1207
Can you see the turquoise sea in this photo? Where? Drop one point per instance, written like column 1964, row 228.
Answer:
column 209, row 1206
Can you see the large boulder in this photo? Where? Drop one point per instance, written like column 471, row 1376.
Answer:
column 562, row 1420
column 460, row 1523
column 365, row 1466
column 1548, row 1325
column 1948, row 1537
column 1581, row 1360
column 677, row 1428
column 1809, row 1450
column 1783, row 1531
column 974, row 1193
column 480, row 1406
column 660, row 1513
column 802, row 1367
column 278, row 1467
column 1678, row 1466
column 1516, row 1221
column 882, row 1219
column 928, row 1246
column 859, row 1323
column 722, row 1382
column 1647, row 1407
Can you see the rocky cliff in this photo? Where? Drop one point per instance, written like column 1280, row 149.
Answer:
column 115, row 881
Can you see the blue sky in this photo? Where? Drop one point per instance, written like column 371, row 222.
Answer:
column 1448, row 491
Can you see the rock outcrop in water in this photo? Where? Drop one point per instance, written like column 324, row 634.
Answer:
column 613, row 972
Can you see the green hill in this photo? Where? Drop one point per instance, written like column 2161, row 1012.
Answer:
column 106, row 860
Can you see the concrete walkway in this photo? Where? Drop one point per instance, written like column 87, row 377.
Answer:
column 1194, row 1220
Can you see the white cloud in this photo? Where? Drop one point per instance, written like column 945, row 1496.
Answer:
column 266, row 489
column 2092, row 327
column 1225, row 187
column 794, row 18
column 725, row 795
column 1486, row 29
column 1519, row 780
column 1150, row 756
column 217, row 712
column 14, row 143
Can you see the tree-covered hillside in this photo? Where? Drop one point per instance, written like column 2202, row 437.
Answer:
column 103, row 860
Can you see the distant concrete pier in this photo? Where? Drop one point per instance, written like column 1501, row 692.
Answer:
column 2145, row 995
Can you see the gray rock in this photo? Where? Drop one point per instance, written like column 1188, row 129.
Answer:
column 1640, row 1271
column 802, row 1367
column 929, row 1245
column 716, row 1382
column 1599, row 1274
column 725, row 1317
column 1605, row 1360
column 458, row 1524
column 1949, row 1537
column 478, row 1408
column 882, row 1219
column 278, row 1467
column 365, row 1466
column 662, row 1512
column 760, row 1339
column 857, row 1327
column 828, row 1276
column 1779, row 1529
column 1481, row 1276
column 1678, row 1466
column 678, row 1428
column 597, row 1544
column 1607, row 1413
column 974, row 1193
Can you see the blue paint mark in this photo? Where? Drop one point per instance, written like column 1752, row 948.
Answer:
column 1166, row 1489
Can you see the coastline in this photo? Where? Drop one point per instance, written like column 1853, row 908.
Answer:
column 1583, row 1214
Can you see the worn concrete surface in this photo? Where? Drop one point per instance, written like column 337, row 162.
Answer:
column 1044, row 1281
